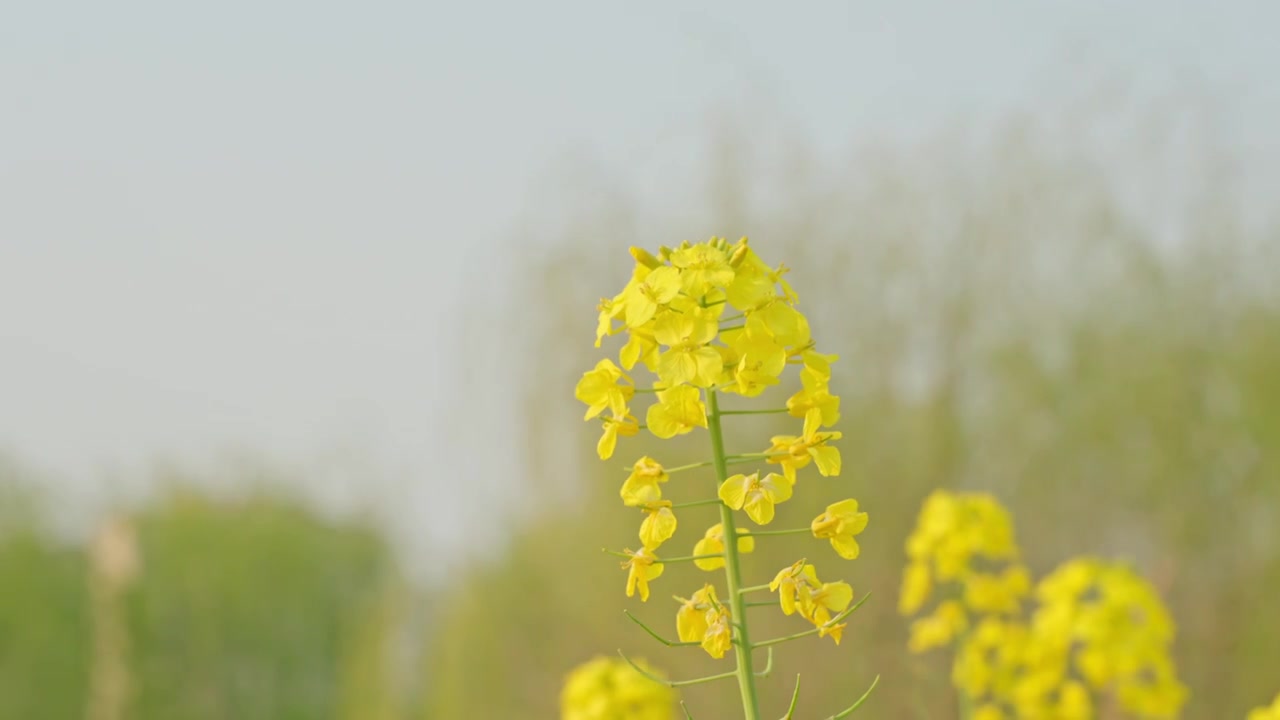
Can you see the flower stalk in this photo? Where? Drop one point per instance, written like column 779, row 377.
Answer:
column 732, row 569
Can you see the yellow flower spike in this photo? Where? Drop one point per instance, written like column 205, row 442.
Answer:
column 688, row 359
column 641, row 566
column 840, row 523
column 613, row 427
column 712, row 543
column 679, row 410
column 600, row 389
column 702, row 267
column 719, row 635
column 659, row 524
column 755, row 496
column 794, row 453
column 691, row 618
column 641, row 486
column 642, row 300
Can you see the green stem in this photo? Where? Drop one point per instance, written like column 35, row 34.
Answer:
column 793, row 531
column 732, row 570
column 770, row 411
column 686, row 558
column 753, row 588
column 732, row 327
column 696, row 503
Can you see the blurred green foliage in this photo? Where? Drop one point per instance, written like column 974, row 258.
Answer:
column 247, row 609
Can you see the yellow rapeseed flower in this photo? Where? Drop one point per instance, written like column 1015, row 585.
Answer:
column 757, row 497
column 825, row 600
column 659, row 524
column 679, row 410
column 600, row 389
column 840, row 523
column 792, row 583
column 691, row 618
column 719, row 636
column 641, row 566
column 642, row 300
column 641, row 486
column 702, row 267
column 613, row 427
column 814, row 395
column 688, row 359
column 794, row 453
column 712, row 543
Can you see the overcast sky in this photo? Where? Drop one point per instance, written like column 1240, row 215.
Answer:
column 239, row 225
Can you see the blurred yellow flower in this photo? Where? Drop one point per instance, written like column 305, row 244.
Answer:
column 609, row 688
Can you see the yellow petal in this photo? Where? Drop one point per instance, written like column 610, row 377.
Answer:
column 777, row 487
column 658, row 527
column 709, row 546
column 733, row 492
column 608, row 441
column 846, row 547
column 759, row 508
column 828, row 459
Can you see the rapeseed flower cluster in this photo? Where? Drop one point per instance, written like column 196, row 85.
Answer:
column 1089, row 629
column 709, row 320
column 610, row 689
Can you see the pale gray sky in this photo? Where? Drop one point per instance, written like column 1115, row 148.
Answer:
column 242, row 225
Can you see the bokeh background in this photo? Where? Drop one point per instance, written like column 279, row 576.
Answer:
column 293, row 298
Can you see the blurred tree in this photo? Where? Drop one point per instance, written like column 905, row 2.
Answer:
column 246, row 610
